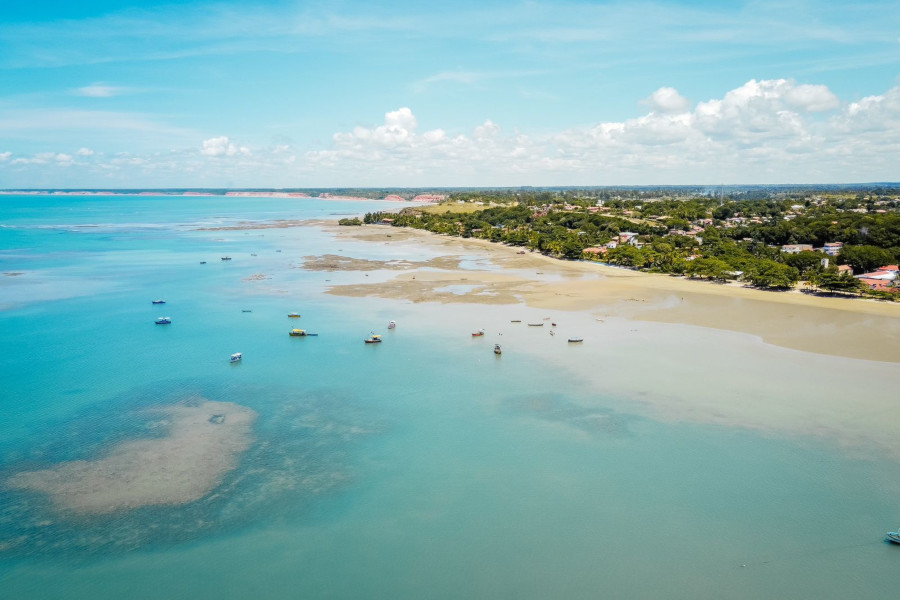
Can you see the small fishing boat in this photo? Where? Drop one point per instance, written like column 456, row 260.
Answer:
column 535, row 324
column 392, row 324
column 497, row 349
column 575, row 340
column 373, row 339
column 226, row 258
column 163, row 321
column 893, row 536
column 299, row 333
column 478, row 333
column 236, row 357
column 516, row 321
column 294, row 315
column 158, row 302
column 202, row 262
column 246, row 310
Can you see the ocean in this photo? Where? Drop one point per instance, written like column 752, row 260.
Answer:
column 422, row 467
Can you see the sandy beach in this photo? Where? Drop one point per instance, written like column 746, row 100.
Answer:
column 203, row 444
column 845, row 327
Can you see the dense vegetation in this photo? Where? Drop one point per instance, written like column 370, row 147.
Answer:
column 713, row 236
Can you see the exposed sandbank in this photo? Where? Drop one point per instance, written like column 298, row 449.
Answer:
column 845, row 327
column 204, row 442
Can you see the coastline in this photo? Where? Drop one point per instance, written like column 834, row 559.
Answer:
column 843, row 327
column 668, row 348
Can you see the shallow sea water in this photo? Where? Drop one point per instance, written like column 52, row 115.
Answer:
column 423, row 467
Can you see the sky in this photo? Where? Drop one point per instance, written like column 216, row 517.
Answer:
column 295, row 94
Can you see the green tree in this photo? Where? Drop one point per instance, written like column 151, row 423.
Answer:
column 770, row 274
column 805, row 261
column 865, row 258
column 713, row 268
column 831, row 280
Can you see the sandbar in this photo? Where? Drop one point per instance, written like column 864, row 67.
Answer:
column 204, row 442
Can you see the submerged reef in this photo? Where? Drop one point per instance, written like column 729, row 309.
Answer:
column 173, row 464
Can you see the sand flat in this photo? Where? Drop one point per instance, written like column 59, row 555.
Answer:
column 846, row 327
column 204, row 442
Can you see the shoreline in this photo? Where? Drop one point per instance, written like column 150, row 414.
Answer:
column 850, row 328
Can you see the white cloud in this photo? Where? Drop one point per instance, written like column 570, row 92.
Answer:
column 99, row 90
column 85, row 152
column 762, row 131
column 812, row 98
column 488, row 129
column 668, row 100
column 222, row 146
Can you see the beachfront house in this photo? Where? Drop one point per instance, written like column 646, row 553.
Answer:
column 796, row 248
column 628, row 237
column 833, row 249
column 885, row 273
column 594, row 252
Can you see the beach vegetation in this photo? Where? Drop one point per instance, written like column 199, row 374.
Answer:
column 770, row 274
column 708, row 234
column 865, row 258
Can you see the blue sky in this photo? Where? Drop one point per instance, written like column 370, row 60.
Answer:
column 343, row 93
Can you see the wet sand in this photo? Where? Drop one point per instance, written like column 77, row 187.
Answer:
column 846, row 327
column 204, row 442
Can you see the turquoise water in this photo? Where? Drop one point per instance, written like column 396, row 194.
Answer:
column 423, row 467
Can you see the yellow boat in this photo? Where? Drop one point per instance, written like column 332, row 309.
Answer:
column 297, row 332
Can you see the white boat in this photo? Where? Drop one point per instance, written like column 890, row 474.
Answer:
column 497, row 349
column 575, row 340
column 158, row 302
column 236, row 357
column 392, row 324
column 893, row 536
column 163, row 321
